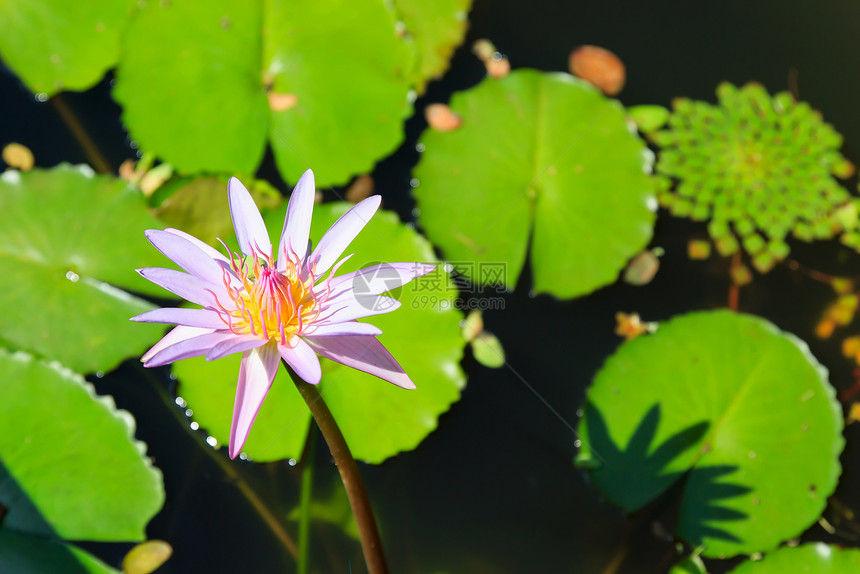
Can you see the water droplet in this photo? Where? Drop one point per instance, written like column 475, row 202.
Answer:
column 420, row 147
column 292, row 462
column 139, row 154
column 579, row 413
column 212, row 441
column 411, row 96
column 243, row 456
column 112, row 82
column 100, row 374
column 414, row 182
column 133, row 144
column 416, row 212
column 400, row 27
column 41, row 97
column 171, row 376
column 752, row 454
column 448, row 267
column 577, row 443
column 188, row 412
column 180, row 401
column 194, row 425
column 72, row 276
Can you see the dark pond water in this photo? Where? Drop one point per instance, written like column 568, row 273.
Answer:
column 494, row 488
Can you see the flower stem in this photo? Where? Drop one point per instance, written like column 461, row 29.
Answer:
column 305, row 503
column 371, row 544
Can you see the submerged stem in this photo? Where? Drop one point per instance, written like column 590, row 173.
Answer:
column 305, row 503
column 371, row 544
column 89, row 147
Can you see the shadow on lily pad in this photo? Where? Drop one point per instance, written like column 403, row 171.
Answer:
column 635, row 475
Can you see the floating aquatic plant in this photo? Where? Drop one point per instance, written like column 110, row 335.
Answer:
column 758, row 168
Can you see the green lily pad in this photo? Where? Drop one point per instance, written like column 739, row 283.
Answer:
column 71, row 468
column 27, row 554
column 436, row 28
column 378, row 419
column 53, row 45
column 68, row 240
column 542, row 156
column 814, row 558
column 341, row 62
column 739, row 410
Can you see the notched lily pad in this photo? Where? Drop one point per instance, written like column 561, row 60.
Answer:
column 69, row 241
column 70, row 468
column 737, row 409
column 542, row 156
column 342, row 61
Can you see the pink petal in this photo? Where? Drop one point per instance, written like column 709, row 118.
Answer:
column 204, row 318
column 363, row 353
column 297, row 223
column 201, row 245
column 193, row 347
column 186, row 255
column 375, row 279
column 238, row 344
column 347, row 328
column 256, row 374
column 302, row 360
column 350, row 306
column 341, row 234
column 187, row 286
column 174, row 336
column 247, row 221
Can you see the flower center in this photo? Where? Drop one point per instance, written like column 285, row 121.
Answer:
column 270, row 304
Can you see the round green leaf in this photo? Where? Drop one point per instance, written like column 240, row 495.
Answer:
column 378, row 419
column 737, row 409
column 814, row 558
column 68, row 240
column 541, row 156
column 69, row 464
column 54, row 45
column 436, row 28
column 29, row 554
column 341, row 60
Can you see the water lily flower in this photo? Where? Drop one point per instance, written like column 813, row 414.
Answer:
column 272, row 305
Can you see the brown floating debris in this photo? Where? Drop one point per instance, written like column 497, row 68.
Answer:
column 643, row 267
column 497, row 64
column 281, row 102
column 361, row 188
column 600, row 67
column 441, row 118
column 18, row 156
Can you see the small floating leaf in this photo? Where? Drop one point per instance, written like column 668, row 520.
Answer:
column 146, row 557
column 649, row 118
column 488, row 350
